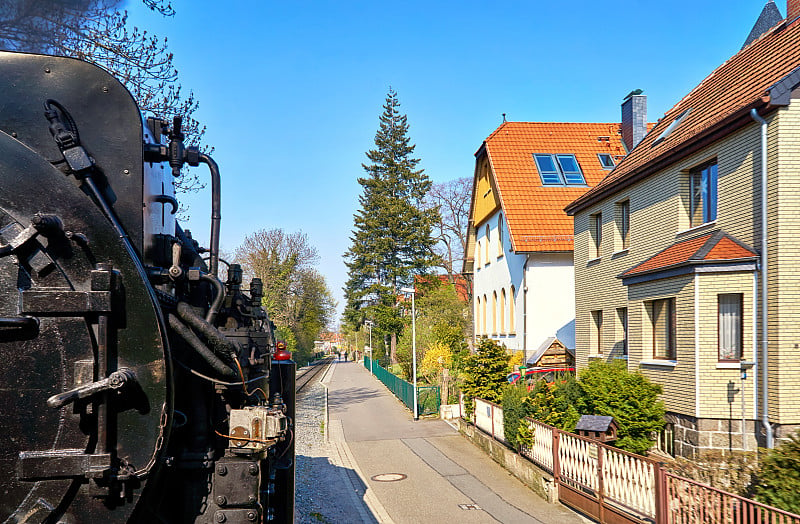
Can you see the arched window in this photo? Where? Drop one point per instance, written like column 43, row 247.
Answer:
column 485, row 325
column 503, row 310
column 478, row 254
column 494, row 312
column 500, row 235
column 478, row 316
column 488, row 241
column 511, row 300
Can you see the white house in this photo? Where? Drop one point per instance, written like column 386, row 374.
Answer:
column 520, row 240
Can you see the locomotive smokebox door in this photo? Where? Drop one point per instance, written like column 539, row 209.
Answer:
column 84, row 389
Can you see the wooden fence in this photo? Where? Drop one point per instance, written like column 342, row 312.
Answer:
column 618, row 487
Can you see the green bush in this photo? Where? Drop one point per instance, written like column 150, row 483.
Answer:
column 557, row 403
column 779, row 476
column 610, row 389
column 515, row 409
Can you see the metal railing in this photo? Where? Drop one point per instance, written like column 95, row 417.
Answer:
column 428, row 397
column 616, row 486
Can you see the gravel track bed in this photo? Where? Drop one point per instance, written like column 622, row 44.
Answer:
column 322, row 490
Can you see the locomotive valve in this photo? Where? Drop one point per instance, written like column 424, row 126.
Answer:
column 116, row 380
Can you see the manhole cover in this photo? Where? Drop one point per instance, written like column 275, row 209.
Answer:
column 389, row 477
column 469, row 506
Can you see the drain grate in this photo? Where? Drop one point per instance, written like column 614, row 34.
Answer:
column 469, row 506
column 389, row 477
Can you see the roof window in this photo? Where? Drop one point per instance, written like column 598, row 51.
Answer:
column 559, row 170
column 606, row 160
column 670, row 128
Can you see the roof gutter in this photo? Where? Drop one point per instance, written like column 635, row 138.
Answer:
column 764, row 334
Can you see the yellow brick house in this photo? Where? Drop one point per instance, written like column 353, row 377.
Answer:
column 688, row 269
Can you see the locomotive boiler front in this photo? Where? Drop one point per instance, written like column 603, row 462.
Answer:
column 138, row 386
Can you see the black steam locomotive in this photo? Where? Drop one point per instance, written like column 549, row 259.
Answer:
column 135, row 385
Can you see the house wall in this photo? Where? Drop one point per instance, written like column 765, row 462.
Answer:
column 696, row 384
column 497, row 272
column 550, row 295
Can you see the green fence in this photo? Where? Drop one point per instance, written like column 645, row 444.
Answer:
column 428, row 397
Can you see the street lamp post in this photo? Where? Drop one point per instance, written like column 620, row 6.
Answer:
column 369, row 323
column 413, row 346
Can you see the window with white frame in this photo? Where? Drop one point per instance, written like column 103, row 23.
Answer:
column 503, row 310
column 622, row 329
column 729, row 306
column 500, row 236
column 488, row 241
column 511, row 326
column 494, row 312
column 623, row 219
column 478, row 254
column 703, row 194
column 597, row 332
column 478, row 316
column 596, row 233
column 662, row 319
column 485, row 325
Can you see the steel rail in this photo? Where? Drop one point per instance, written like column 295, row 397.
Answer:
column 311, row 372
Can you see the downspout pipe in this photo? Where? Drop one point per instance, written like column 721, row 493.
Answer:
column 763, row 263
column 216, row 215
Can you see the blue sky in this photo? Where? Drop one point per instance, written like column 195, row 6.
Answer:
column 291, row 91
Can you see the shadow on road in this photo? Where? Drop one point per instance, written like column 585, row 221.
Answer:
column 327, row 493
column 350, row 396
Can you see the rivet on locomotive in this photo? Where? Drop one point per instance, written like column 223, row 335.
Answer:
column 136, row 386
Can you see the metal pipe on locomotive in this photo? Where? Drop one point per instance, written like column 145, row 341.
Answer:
column 136, row 386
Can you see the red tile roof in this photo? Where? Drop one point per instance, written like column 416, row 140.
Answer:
column 711, row 247
column 534, row 213
column 718, row 105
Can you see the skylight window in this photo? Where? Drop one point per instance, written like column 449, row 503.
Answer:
column 606, row 160
column 670, row 128
column 559, row 170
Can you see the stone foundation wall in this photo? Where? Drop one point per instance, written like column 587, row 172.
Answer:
column 694, row 435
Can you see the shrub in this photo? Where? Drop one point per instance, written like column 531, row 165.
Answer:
column 779, row 476
column 556, row 403
column 515, row 409
column 610, row 389
column 485, row 371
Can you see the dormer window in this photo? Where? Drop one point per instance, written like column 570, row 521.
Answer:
column 559, row 170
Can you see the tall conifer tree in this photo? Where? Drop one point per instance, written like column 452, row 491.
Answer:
column 391, row 240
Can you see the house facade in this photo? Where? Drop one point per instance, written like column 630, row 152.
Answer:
column 519, row 248
column 685, row 255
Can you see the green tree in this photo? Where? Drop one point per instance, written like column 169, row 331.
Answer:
column 98, row 31
column 441, row 319
column 296, row 295
column 391, row 240
column 610, row 389
column 779, row 476
column 485, row 371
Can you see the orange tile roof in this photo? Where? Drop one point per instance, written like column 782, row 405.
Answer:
column 718, row 105
column 534, row 213
column 711, row 247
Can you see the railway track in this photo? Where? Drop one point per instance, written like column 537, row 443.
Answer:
column 311, row 372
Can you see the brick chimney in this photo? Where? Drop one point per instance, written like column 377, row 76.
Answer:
column 792, row 9
column 634, row 117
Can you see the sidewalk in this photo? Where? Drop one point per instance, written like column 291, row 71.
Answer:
column 442, row 477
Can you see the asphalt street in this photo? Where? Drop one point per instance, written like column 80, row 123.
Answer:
column 407, row 471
